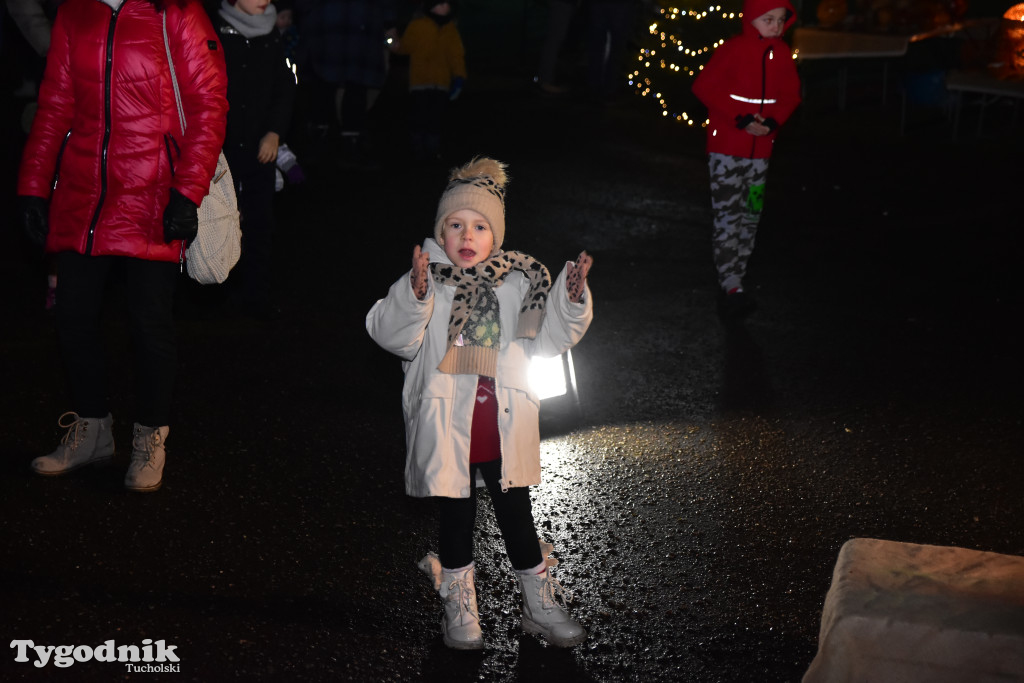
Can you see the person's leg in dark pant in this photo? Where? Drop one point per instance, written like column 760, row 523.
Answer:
column 607, row 36
column 150, row 289
column 417, row 127
column 353, row 122
column 354, row 106
column 322, row 104
column 250, row 283
column 514, row 514
column 81, row 281
column 458, row 520
column 559, row 18
column 434, row 120
column 427, row 108
column 455, row 579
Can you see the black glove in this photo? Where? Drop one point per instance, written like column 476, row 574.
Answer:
column 771, row 124
column 181, row 218
column 35, row 218
column 744, row 121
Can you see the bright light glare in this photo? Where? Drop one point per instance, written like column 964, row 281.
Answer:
column 547, row 377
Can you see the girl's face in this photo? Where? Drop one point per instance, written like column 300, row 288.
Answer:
column 441, row 9
column 252, row 7
column 466, row 237
column 769, row 24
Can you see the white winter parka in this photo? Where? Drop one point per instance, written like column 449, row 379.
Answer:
column 438, row 407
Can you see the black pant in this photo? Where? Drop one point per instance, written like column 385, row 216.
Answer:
column 250, row 283
column 514, row 514
column 322, row 103
column 426, row 124
column 149, row 292
column 354, row 105
column 608, row 34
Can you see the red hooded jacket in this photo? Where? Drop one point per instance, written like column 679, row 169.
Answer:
column 749, row 74
column 106, row 144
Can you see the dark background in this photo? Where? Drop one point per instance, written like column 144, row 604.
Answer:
column 698, row 499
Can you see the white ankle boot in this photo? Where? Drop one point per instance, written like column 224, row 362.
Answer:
column 461, row 624
column 88, row 440
column 544, row 603
column 146, row 471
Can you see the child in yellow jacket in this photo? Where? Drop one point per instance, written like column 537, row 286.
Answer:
column 437, row 71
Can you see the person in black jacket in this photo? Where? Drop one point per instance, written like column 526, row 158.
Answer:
column 261, row 90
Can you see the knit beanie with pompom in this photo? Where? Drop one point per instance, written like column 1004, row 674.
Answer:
column 480, row 186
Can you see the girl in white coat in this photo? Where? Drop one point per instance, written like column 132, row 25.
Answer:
column 465, row 321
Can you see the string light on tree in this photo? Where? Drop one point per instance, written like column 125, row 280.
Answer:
column 675, row 50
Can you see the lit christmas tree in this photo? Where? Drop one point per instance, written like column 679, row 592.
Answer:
column 678, row 45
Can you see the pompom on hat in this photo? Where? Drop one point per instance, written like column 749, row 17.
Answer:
column 480, row 186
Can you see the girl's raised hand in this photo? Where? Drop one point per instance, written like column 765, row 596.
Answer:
column 576, row 281
column 420, row 269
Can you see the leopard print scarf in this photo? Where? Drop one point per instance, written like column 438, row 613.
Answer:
column 474, row 329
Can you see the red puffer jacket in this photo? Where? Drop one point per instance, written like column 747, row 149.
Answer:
column 749, row 74
column 106, row 144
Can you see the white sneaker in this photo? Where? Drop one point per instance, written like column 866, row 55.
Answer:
column 146, row 471
column 89, row 440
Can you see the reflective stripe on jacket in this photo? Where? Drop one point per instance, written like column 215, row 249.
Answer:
column 748, row 74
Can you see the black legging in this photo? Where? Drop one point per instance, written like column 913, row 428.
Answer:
column 514, row 514
column 251, row 282
column 149, row 291
column 427, row 119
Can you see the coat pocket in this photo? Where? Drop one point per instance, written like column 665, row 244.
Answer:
column 438, row 386
column 173, row 151
column 429, row 434
column 429, row 406
column 60, row 158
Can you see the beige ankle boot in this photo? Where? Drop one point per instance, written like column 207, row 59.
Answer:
column 461, row 624
column 89, row 440
column 146, row 471
column 544, row 606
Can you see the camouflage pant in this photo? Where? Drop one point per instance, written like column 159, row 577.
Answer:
column 737, row 196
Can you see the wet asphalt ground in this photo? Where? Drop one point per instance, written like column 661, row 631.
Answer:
column 698, row 496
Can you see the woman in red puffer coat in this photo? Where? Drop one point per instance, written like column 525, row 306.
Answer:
column 108, row 183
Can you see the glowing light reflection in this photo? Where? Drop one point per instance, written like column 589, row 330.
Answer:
column 547, row 376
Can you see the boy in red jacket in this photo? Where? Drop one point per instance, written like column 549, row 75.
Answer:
column 750, row 87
